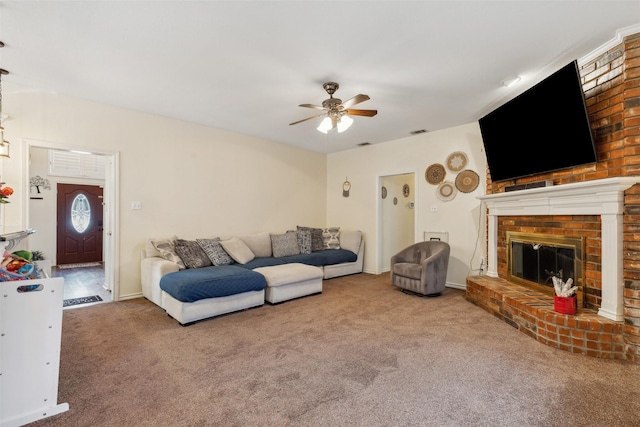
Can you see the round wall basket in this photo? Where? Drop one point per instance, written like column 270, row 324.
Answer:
column 446, row 191
column 435, row 174
column 457, row 161
column 467, row 181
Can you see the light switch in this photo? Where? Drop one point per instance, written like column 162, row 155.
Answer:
column 136, row 205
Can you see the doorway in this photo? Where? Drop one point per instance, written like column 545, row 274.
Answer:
column 397, row 215
column 79, row 224
column 42, row 205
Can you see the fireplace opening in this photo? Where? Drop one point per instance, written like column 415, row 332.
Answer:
column 534, row 258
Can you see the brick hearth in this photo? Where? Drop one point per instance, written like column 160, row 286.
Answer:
column 532, row 313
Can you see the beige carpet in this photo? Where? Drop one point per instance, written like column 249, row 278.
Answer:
column 360, row 354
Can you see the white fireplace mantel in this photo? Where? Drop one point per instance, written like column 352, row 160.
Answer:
column 604, row 197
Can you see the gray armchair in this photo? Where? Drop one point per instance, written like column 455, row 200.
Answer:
column 421, row 268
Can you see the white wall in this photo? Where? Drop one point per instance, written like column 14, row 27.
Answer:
column 460, row 216
column 192, row 181
column 397, row 220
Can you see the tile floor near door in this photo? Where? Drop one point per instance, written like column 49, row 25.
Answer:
column 83, row 282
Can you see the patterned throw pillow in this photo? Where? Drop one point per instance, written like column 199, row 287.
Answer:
column 215, row 251
column 304, row 241
column 285, row 244
column 167, row 250
column 331, row 238
column 317, row 243
column 191, row 254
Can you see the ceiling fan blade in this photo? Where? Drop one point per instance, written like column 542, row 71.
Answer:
column 317, row 107
column 308, row 118
column 355, row 100
column 366, row 113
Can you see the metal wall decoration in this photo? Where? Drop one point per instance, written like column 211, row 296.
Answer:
column 346, row 187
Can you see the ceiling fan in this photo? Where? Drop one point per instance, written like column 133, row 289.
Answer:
column 336, row 113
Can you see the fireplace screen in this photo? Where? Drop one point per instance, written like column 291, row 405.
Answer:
column 535, row 258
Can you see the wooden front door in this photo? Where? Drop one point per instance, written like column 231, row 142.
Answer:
column 79, row 229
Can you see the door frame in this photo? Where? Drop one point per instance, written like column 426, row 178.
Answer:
column 379, row 230
column 111, row 235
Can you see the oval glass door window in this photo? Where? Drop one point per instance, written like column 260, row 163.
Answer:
column 80, row 213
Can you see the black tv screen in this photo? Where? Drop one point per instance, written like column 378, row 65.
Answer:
column 544, row 129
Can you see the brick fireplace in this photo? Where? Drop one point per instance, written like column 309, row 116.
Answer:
column 531, row 311
column 598, row 202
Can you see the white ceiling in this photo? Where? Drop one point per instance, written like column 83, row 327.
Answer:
column 245, row 66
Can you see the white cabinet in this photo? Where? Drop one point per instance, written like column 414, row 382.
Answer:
column 30, row 339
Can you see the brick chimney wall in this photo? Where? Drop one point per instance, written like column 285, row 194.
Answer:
column 611, row 85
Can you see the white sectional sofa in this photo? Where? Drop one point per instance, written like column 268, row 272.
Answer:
column 190, row 289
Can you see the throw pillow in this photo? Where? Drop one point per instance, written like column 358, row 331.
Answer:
column 284, row 244
column 331, row 238
column 351, row 240
column 317, row 243
column 238, row 250
column 191, row 254
column 304, row 241
column 215, row 251
column 167, row 250
column 260, row 243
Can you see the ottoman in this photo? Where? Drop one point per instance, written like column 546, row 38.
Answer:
column 289, row 281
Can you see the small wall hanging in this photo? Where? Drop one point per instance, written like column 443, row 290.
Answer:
column 457, row 161
column 446, row 191
column 39, row 183
column 467, row 181
column 346, row 187
column 435, row 174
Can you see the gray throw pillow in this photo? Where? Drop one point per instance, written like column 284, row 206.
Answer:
column 167, row 250
column 317, row 243
column 191, row 254
column 215, row 251
column 304, row 241
column 285, row 244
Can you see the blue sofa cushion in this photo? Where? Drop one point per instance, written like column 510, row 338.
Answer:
column 308, row 259
column 211, row 282
column 336, row 256
column 261, row 262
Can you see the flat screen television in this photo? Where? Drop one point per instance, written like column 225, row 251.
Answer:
column 544, row 129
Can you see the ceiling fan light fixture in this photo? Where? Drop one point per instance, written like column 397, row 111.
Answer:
column 325, row 125
column 344, row 123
